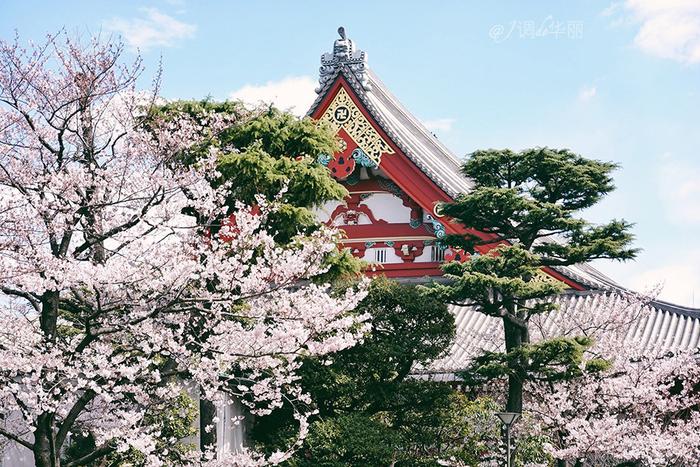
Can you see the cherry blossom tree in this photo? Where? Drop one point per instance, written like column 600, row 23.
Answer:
column 644, row 409
column 112, row 291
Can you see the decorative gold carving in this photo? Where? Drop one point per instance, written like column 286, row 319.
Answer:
column 343, row 113
column 343, row 144
column 542, row 276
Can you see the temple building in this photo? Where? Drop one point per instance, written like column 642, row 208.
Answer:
column 398, row 174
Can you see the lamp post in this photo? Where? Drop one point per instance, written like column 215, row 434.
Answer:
column 508, row 418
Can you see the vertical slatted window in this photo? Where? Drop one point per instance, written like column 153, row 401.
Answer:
column 437, row 254
column 380, row 255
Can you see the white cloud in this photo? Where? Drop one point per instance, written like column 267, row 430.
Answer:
column 295, row 94
column 668, row 28
column 587, row 93
column 439, row 124
column 680, row 280
column 156, row 29
column 679, row 186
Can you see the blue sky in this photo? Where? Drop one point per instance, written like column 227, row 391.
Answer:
column 614, row 81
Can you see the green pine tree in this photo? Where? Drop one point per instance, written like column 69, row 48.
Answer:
column 263, row 152
column 530, row 202
column 370, row 410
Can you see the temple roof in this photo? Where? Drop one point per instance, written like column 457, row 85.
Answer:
column 406, row 131
column 667, row 325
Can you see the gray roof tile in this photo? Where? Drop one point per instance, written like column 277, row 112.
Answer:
column 653, row 325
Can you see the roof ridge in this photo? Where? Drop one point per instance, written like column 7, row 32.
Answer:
column 406, row 131
column 404, row 110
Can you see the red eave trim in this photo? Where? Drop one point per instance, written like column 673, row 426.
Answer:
column 405, row 270
column 561, row 277
column 398, row 166
column 365, row 186
column 388, row 231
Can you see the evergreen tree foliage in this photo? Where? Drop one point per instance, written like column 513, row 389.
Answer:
column 371, row 412
column 264, row 152
column 529, row 204
column 269, row 153
column 408, row 328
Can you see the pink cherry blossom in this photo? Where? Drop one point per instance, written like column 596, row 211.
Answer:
column 644, row 409
column 111, row 296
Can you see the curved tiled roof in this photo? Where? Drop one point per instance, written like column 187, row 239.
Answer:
column 417, row 142
column 658, row 326
column 653, row 326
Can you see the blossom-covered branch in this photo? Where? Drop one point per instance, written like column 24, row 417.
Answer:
column 110, row 284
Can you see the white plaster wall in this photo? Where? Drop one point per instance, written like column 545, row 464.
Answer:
column 230, row 427
column 230, row 432
column 388, row 207
column 426, row 256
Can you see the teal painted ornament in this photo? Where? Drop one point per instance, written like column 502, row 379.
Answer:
column 438, row 228
column 363, row 159
column 354, row 177
column 389, row 186
column 324, row 159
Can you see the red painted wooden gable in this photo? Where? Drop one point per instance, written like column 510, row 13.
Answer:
column 416, row 185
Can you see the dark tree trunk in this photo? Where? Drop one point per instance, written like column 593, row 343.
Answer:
column 514, row 339
column 49, row 314
column 207, row 412
column 45, row 454
column 44, row 449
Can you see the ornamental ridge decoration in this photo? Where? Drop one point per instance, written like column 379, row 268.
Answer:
column 344, row 54
column 343, row 113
